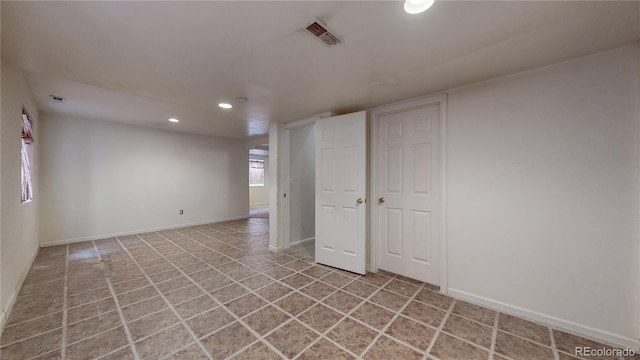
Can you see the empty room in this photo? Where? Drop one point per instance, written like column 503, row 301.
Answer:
column 407, row 179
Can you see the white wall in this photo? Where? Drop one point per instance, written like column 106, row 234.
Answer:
column 19, row 222
column 543, row 185
column 302, row 147
column 259, row 195
column 101, row 178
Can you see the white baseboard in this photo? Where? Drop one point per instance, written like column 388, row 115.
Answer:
column 599, row 335
column 274, row 249
column 12, row 300
column 258, row 206
column 140, row 231
column 302, row 241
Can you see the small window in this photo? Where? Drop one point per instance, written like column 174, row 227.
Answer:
column 256, row 172
column 27, row 158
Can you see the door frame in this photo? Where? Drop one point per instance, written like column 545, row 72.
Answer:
column 375, row 114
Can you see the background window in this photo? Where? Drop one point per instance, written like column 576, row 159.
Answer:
column 256, row 172
column 27, row 158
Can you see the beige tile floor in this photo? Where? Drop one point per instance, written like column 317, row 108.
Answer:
column 215, row 291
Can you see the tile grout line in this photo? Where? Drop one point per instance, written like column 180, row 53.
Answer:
column 110, row 353
column 158, row 311
column 323, row 335
column 548, row 346
column 118, row 307
column 65, row 292
column 436, row 334
column 128, row 345
column 234, row 252
column 277, row 280
column 193, row 335
column 314, row 279
column 260, row 338
column 349, row 313
column 138, row 302
column 556, row 356
column 498, row 330
column 143, row 317
column 211, row 267
column 33, row 336
column 176, row 351
column 397, row 314
column 263, row 337
column 478, row 346
column 421, row 323
column 28, row 320
column 272, row 304
column 97, row 334
column 494, row 335
column 295, row 317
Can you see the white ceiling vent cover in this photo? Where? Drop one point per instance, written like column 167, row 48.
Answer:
column 319, row 30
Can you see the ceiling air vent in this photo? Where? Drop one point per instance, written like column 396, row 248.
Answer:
column 319, row 30
column 56, row 98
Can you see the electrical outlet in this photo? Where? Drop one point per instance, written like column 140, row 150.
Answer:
column 181, row 211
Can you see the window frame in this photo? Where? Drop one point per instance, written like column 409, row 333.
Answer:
column 26, row 157
column 262, row 170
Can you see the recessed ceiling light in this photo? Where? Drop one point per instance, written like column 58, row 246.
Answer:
column 174, row 120
column 225, row 105
column 417, row 6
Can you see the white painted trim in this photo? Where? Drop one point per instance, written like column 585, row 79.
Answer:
column 258, row 205
column 308, row 121
column 12, row 300
column 560, row 324
column 302, row 241
column 300, row 123
column 444, row 264
column 286, row 188
column 140, row 231
column 274, row 249
column 275, row 186
column 402, row 104
column 257, row 141
column 373, row 193
column 441, row 100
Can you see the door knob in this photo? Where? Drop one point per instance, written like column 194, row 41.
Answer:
column 381, row 200
column 360, row 200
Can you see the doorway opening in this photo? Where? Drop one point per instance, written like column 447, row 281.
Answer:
column 258, row 182
column 324, row 188
column 301, row 184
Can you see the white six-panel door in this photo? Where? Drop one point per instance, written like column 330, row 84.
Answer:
column 409, row 192
column 340, row 192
